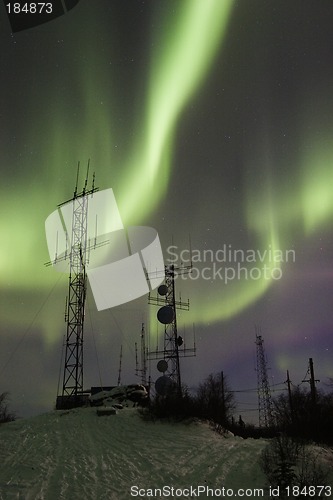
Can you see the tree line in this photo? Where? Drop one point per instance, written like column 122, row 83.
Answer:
column 297, row 413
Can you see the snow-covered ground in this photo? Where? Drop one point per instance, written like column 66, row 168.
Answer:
column 78, row 455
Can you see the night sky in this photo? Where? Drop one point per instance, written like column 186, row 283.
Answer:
column 212, row 122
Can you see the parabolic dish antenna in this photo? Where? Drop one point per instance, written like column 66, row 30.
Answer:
column 163, row 385
column 165, row 315
column 162, row 289
column 162, row 366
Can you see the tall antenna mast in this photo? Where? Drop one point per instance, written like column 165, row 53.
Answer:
column 167, row 315
column 264, row 394
column 143, row 356
column 72, row 388
column 77, row 179
column 120, row 361
column 143, row 370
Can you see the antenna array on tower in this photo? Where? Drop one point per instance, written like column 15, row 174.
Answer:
column 72, row 388
column 174, row 346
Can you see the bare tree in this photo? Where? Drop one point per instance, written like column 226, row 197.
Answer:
column 215, row 399
column 297, row 415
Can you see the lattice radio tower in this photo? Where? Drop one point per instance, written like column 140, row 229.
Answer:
column 264, row 394
column 174, row 346
column 72, row 387
column 143, row 370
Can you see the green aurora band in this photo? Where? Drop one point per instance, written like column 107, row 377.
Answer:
column 180, row 62
column 187, row 50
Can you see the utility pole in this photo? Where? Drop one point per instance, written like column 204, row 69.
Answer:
column 223, row 399
column 292, row 416
column 312, row 382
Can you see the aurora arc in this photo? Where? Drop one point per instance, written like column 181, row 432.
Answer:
column 178, row 67
column 180, row 62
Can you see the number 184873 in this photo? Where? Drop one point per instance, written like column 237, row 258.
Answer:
column 308, row 491
column 29, row 8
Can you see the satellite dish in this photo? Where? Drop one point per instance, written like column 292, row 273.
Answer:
column 165, row 315
column 162, row 289
column 180, row 341
column 163, row 385
column 162, row 365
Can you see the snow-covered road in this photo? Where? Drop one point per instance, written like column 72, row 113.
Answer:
column 78, row 455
